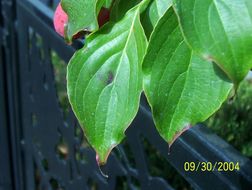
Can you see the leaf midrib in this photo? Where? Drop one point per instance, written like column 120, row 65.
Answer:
column 116, row 75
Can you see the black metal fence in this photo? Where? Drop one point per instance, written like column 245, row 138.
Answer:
column 43, row 148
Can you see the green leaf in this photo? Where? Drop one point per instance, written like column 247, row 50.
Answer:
column 220, row 31
column 82, row 15
column 181, row 87
column 105, row 81
column 107, row 4
column 154, row 12
column 101, row 3
column 120, row 8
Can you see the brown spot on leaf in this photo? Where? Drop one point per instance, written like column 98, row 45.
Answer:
column 110, row 78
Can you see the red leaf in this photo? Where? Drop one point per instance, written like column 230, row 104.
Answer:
column 103, row 16
column 60, row 20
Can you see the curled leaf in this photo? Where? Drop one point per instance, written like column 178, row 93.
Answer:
column 82, row 16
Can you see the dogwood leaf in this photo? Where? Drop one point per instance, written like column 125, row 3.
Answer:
column 104, row 81
column 102, row 3
column 108, row 3
column 82, row 15
column 221, row 31
column 181, row 87
column 153, row 13
column 120, row 7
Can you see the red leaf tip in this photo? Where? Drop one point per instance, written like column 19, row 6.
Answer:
column 60, row 20
column 177, row 135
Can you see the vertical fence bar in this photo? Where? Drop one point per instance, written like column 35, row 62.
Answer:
column 8, row 13
column 5, row 177
column 5, row 165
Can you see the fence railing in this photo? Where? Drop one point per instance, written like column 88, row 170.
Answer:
column 42, row 144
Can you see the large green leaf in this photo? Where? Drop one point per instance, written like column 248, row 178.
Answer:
column 155, row 11
column 82, row 15
column 105, row 81
column 181, row 87
column 221, row 31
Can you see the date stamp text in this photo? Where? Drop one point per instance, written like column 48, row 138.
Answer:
column 211, row 166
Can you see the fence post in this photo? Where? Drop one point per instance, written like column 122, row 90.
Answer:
column 5, row 177
column 5, row 164
column 10, row 123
